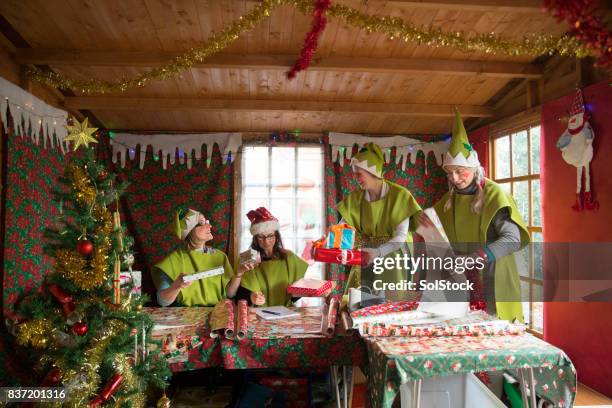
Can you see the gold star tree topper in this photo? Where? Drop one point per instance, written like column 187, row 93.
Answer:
column 80, row 134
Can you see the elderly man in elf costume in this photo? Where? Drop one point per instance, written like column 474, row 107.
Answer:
column 381, row 212
column 195, row 230
column 481, row 220
column 266, row 284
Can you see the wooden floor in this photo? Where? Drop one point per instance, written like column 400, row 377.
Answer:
column 588, row 397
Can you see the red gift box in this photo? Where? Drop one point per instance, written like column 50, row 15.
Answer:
column 339, row 256
column 309, row 287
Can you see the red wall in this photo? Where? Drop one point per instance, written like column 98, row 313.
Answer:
column 480, row 140
column 583, row 330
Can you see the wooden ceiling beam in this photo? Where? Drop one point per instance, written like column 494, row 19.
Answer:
column 520, row 6
column 56, row 57
column 267, row 105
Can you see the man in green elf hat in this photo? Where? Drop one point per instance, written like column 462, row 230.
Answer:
column 482, row 221
column 195, row 231
column 381, row 212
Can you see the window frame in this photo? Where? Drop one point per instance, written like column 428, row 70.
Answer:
column 530, row 177
column 239, row 211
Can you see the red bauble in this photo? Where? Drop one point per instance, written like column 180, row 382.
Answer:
column 84, row 247
column 80, row 328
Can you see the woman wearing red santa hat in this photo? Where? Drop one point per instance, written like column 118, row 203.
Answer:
column 266, row 284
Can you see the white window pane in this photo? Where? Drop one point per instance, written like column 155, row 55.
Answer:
column 535, row 150
column 283, row 209
column 521, row 196
column 537, row 239
column 522, row 261
column 506, row 187
column 283, row 167
column 502, row 157
column 520, row 154
column 255, row 191
column 309, row 217
column 255, row 162
column 536, row 204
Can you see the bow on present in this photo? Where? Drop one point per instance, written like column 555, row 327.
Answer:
column 341, row 236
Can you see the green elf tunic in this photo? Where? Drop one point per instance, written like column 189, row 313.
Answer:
column 203, row 292
column 463, row 226
column 376, row 222
column 272, row 278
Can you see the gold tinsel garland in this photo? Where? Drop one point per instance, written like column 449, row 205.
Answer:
column 124, row 367
column 83, row 383
column 81, row 184
column 36, row 332
column 393, row 27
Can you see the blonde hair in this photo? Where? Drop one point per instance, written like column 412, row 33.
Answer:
column 478, row 201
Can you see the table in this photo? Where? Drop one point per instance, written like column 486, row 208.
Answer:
column 397, row 360
column 285, row 343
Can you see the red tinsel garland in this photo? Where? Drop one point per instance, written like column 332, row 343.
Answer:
column 585, row 26
column 319, row 22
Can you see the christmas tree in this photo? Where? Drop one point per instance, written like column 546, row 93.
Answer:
column 86, row 332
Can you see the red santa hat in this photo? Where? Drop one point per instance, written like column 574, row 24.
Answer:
column 578, row 105
column 262, row 222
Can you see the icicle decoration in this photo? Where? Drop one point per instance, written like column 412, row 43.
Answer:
column 407, row 148
column 126, row 144
column 27, row 111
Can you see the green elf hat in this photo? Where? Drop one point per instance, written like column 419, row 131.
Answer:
column 184, row 221
column 460, row 151
column 370, row 158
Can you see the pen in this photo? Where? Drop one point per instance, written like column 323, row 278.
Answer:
column 269, row 312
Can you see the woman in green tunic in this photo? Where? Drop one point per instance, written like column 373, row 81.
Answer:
column 481, row 220
column 192, row 228
column 266, row 284
column 381, row 212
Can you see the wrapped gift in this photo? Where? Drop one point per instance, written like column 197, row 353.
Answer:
column 339, row 256
column 132, row 280
column 249, row 256
column 340, row 236
column 309, row 287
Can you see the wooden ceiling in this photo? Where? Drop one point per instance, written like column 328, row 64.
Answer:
column 360, row 82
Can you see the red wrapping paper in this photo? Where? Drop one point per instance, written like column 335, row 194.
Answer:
column 306, row 287
column 401, row 306
column 332, row 313
column 243, row 319
column 339, row 256
column 222, row 319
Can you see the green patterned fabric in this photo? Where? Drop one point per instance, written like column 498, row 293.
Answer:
column 394, row 361
column 154, row 194
column 424, row 179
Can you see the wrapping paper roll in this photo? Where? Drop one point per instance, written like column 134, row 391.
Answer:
column 332, row 313
column 222, row 319
column 347, row 322
column 242, row 320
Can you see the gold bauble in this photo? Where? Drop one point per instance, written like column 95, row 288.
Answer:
column 164, row 402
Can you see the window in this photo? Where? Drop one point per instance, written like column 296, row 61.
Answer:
column 288, row 181
column 516, row 167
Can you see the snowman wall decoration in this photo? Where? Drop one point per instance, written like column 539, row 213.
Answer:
column 576, row 145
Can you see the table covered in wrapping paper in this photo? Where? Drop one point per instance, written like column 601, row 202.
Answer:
column 283, row 343
column 397, row 360
column 292, row 343
column 185, row 338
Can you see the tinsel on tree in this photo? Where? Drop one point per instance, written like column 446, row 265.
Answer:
column 85, row 332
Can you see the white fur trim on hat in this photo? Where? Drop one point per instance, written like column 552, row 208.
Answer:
column 460, row 160
column 364, row 165
column 265, row 227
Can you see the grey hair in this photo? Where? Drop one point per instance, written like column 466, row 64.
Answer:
column 478, row 201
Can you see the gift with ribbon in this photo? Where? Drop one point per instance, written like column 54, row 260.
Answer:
column 339, row 256
column 340, row 236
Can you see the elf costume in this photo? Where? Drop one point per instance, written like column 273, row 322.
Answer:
column 382, row 225
column 203, row 292
column 271, row 276
column 498, row 218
